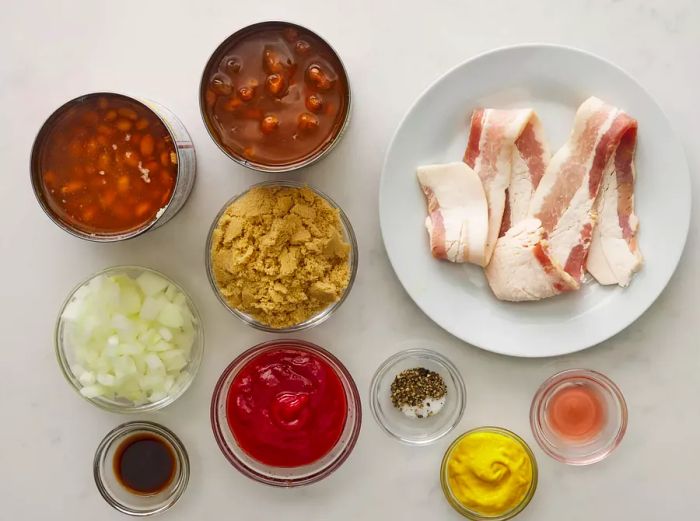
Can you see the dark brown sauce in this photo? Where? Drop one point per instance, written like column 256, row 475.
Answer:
column 145, row 464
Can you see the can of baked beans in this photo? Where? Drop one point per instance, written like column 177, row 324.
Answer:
column 107, row 167
column 275, row 97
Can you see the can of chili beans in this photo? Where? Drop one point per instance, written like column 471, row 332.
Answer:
column 275, row 97
column 107, row 167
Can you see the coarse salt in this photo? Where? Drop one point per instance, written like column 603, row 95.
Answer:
column 429, row 407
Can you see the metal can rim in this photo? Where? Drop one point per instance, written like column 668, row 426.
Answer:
column 35, row 174
column 258, row 167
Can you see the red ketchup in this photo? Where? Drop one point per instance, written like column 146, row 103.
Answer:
column 286, row 407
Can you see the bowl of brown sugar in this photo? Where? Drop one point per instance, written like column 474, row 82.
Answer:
column 281, row 256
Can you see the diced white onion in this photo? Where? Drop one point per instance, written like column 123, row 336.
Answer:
column 151, row 284
column 165, row 334
column 87, row 378
column 131, row 338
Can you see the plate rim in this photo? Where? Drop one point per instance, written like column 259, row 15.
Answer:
column 611, row 331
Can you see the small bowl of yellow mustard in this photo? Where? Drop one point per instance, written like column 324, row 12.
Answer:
column 489, row 473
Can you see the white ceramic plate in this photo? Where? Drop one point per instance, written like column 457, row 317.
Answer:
column 554, row 81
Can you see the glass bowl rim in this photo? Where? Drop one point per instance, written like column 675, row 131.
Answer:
column 419, row 352
column 261, row 167
column 601, row 380
column 349, row 386
column 195, row 361
column 476, row 516
column 322, row 315
column 122, row 431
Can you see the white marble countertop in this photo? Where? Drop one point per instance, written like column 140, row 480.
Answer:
column 53, row 51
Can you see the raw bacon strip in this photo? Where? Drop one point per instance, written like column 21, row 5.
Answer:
column 490, row 152
column 457, row 219
column 521, row 267
column 523, row 252
column 530, row 159
column 614, row 255
column 564, row 200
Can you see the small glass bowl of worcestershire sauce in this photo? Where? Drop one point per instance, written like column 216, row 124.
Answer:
column 286, row 413
column 141, row 468
column 275, row 97
column 107, row 167
column 578, row 416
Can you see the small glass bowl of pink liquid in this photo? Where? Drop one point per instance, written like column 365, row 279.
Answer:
column 578, row 416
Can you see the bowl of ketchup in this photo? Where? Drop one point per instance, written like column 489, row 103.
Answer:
column 286, row 413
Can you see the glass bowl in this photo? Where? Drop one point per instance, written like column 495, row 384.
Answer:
column 116, row 494
column 587, row 450
column 285, row 476
column 478, row 516
column 417, row 431
column 66, row 358
column 322, row 315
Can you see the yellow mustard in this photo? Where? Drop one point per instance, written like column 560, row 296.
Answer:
column 489, row 473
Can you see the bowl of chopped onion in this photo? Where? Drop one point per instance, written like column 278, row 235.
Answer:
column 129, row 339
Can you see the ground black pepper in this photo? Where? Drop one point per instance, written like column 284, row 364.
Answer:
column 413, row 386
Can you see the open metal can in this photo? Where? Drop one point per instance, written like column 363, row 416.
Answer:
column 275, row 97
column 177, row 156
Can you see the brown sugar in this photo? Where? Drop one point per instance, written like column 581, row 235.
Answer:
column 279, row 255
